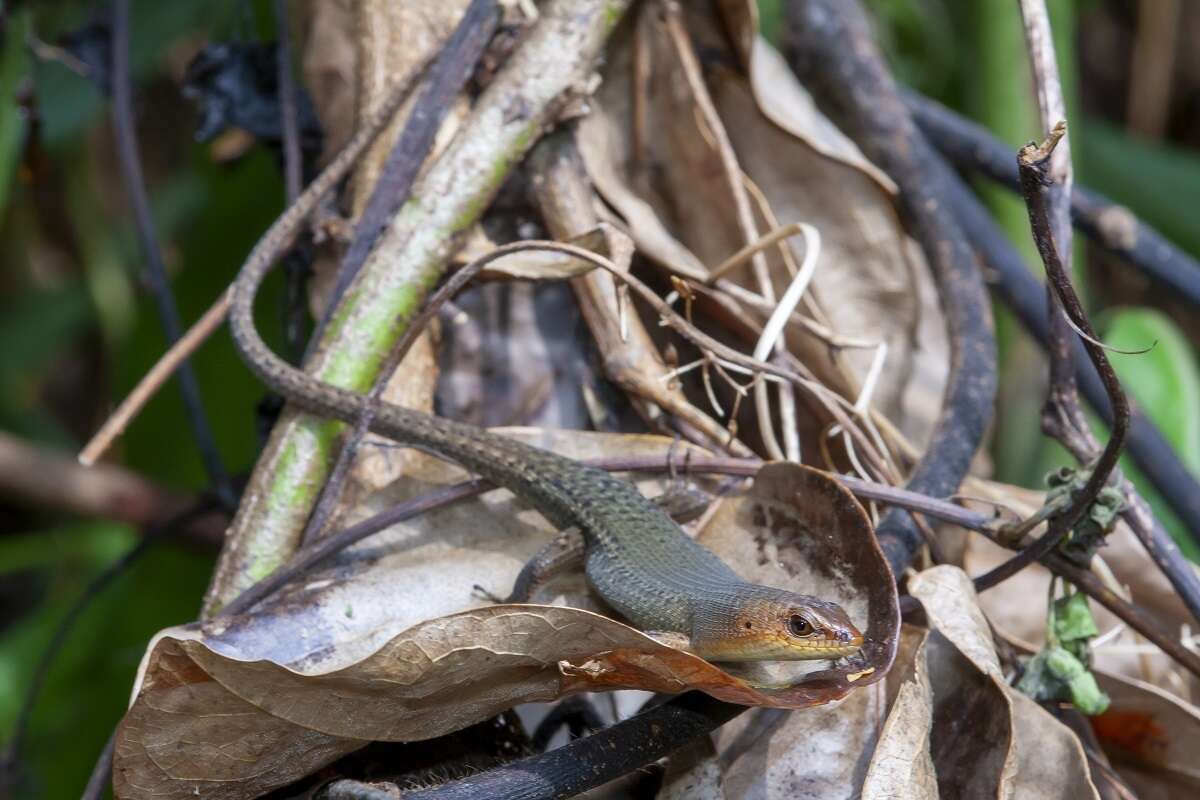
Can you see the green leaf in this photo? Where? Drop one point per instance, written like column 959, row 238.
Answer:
column 87, row 687
column 1073, row 618
column 1165, row 383
column 1055, row 675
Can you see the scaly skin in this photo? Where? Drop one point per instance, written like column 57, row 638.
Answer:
column 638, row 560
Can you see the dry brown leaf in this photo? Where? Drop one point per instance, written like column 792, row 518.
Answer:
column 1051, row 762
column 901, row 766
column 872, row 282
column 388, row 643
column 657, row 165
column 1150, row 736
column 987, row 738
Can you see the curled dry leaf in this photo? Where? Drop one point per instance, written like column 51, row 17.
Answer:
column 987, row 739
column 1150, row 737
column 388, row 643
column 901, row 766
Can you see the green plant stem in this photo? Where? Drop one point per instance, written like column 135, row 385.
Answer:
column 408, row 260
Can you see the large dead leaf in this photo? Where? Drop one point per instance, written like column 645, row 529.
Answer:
column 658, row 164
column 901, row 766
column 987, row 739
column 388, row 642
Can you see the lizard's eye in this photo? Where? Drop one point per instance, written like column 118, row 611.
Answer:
column 799, row 626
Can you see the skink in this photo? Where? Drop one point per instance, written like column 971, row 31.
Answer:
column 637, row 559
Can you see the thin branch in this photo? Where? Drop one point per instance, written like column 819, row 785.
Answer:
column 101, row 778
column 1052, row 109
column 1151, row 452
column 1034, row 162
column 290, row 124
column 125, row 137
column 172, row 360
column 46, row 478
column 297, row 260
column 1112, row 227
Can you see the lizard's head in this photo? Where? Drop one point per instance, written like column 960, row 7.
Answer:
column 764, row 624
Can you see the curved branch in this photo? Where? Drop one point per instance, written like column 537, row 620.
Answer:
column 1107, row 224
column 831, row 48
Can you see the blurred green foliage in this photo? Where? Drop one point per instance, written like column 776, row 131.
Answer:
column 71, row 294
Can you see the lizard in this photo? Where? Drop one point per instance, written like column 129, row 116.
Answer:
column 637, row 559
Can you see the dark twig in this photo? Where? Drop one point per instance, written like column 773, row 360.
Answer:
column 299, row 258
column 125, row 137
column 447, row 76
column 831, row 48
column 292, row 165
column 101, row 776
column 1105, row 223
column 1025, row 296
column 585, row 763
column 1063, row 406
